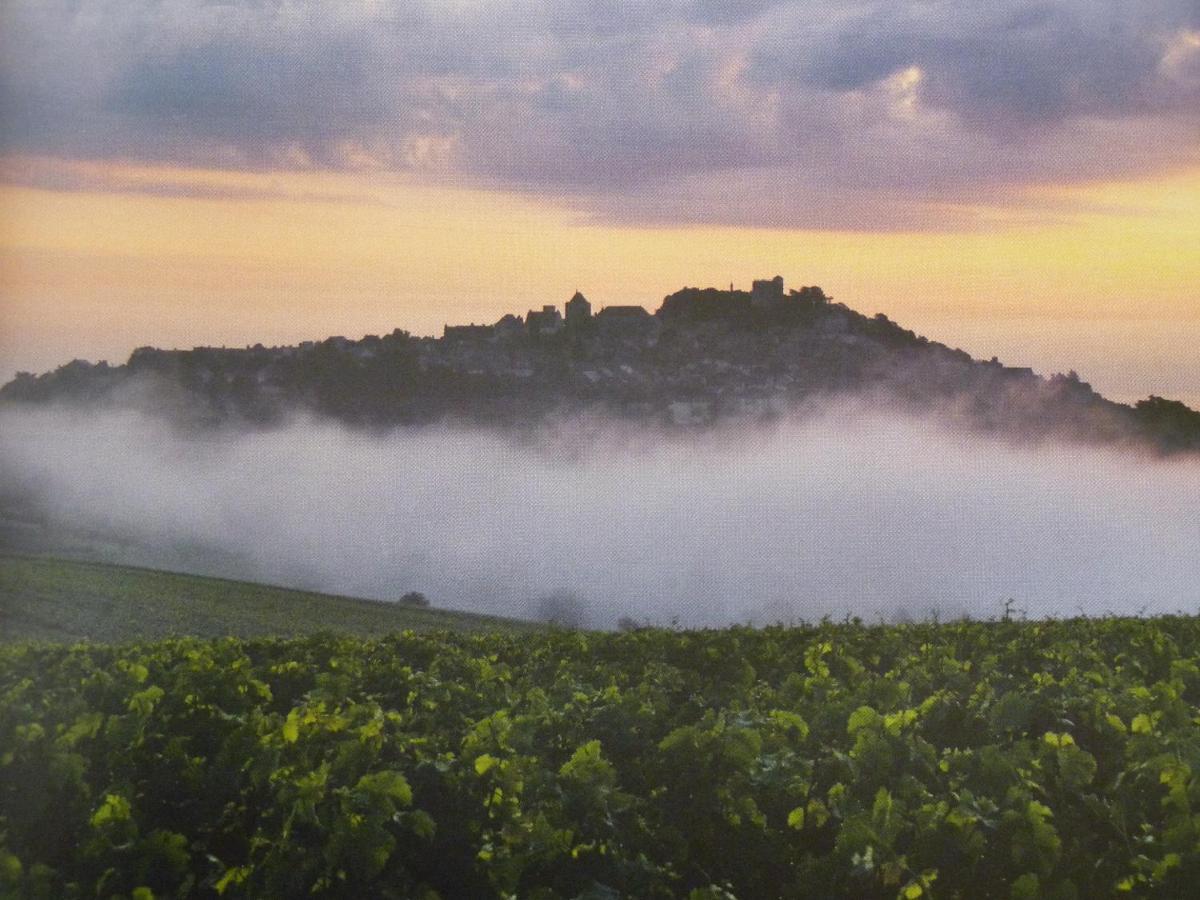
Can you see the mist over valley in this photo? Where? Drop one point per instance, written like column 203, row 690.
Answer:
column 846, row 510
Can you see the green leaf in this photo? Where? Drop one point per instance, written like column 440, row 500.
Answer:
column 1168, row 862
column 386, row 784
column 588, row 766
column 10, row 868
column 882, row 810
column 1077, row 767
column 861, row 718
column 115, row 808
column 898, row 721
column 1141, row 724
column 291, row 728
column 484, row 763
column 791, row 720
column 421, row 823
column 1058, row 740
column 1025, row 888
column 236, row 875
column 818, row 813
column 796, row 818
column 86, row 726
column 143, row 702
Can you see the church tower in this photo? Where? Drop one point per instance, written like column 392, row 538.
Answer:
column 579, row 310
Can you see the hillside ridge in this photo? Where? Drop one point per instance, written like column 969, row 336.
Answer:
column 706, row 355
column 64, row 600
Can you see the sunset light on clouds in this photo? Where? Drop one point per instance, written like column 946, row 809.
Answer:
column 1015, row 177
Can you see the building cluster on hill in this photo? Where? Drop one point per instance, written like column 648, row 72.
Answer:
column 673, row 360
column 676, row 358
column 695, row 304
column 578, row 319
column 706, row 354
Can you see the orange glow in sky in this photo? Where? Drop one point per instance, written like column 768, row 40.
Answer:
column 1102, row 278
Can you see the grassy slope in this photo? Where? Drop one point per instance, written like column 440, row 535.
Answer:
column 59, row 600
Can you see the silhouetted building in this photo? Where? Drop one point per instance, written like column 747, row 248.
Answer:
column 509, row 326
column 698, row 305
column 546, row 321
column 767, row 293
column 579, row 310
column 625, row 320
column 467, row 332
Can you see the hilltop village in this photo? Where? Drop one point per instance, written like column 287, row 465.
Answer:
column 702, row 355
column 706, row 355
column 620, row 349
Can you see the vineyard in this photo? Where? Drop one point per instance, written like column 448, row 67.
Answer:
column 974, row 759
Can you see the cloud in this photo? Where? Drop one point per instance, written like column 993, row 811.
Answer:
column 1003, row 67
column 160, row 181
column 624, row 108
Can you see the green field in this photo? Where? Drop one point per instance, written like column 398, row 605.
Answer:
column 496, row 759
column 46, row 599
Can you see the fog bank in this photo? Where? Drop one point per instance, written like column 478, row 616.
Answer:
column 841, row 513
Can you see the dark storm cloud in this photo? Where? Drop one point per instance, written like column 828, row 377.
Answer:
column 725, row 12
column 648, row 108
column 243, row 96
column 1003, row 65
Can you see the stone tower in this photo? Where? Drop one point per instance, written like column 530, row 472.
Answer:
column 579, row 310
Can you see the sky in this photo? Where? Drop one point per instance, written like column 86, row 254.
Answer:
column 1020, row 179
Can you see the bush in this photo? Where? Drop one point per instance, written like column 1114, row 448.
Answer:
column 981, row 759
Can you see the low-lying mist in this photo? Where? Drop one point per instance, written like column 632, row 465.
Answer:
column 843, row 512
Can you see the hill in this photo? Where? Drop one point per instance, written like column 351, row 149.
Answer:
column 48, row 599
column 705, row 356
